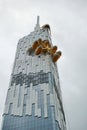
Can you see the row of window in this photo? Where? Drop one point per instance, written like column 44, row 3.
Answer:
column 36, row 79
column 31, row 122
column 28, row 123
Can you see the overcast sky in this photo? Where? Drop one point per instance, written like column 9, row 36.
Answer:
column 68, row 21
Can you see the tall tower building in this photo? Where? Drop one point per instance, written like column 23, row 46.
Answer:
column 34, row 99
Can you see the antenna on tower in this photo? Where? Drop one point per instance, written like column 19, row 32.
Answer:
column 38, row 20
column 37, row 25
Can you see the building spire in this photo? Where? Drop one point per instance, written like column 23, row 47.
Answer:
column 37, row 25
column 37, row 20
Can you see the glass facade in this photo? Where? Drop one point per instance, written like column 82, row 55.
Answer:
column 32, row 122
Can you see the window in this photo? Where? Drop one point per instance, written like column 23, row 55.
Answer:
column 30, row 52
column 39, row 56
